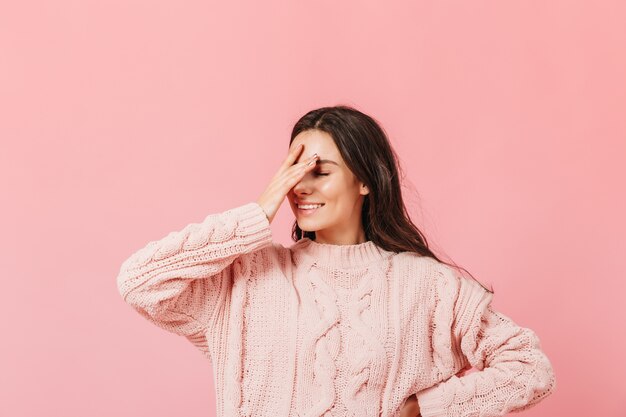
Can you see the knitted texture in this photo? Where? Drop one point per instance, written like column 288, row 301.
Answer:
column 317, row 329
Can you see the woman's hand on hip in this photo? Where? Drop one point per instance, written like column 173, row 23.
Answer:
column 411, row 407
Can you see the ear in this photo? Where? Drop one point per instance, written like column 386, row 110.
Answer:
column 364, row 189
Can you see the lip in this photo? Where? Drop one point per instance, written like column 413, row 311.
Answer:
column 307, row 212
column 307, row 202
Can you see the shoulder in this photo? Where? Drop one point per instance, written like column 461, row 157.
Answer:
column 414, row 266
column 414, row 259
column 417, row 276
column 462, row 290
column 442, row 280
column 267, row 260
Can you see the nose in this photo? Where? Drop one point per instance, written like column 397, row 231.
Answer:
column 303, row 186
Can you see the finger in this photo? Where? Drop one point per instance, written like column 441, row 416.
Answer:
column 307, row 163
column 293, row 154
column 298, row 170
column 302, row 164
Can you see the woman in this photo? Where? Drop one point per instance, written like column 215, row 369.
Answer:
column 357, row 317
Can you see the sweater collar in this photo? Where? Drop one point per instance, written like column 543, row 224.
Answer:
column 341, row 256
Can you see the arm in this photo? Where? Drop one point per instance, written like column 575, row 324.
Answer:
column 514, row 373
column 177, row 282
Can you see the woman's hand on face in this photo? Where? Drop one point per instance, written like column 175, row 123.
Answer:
column 411, row 407
column 284, row 180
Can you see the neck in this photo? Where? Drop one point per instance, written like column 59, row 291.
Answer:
column 340, row 241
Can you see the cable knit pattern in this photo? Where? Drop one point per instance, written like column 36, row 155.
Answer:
column 323, row 344
column 332, row 330
column 369, row 363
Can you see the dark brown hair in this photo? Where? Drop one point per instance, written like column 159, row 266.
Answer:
column 366, row 149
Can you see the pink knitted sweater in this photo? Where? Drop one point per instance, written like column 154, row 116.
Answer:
column 332, row 330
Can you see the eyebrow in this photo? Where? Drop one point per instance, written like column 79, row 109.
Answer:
column 326, row 161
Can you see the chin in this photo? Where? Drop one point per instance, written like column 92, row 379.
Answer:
column 305, row 227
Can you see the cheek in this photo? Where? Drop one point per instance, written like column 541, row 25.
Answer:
column 333, row 188
column 338, row 187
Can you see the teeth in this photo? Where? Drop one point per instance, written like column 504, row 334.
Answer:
column 309, row 206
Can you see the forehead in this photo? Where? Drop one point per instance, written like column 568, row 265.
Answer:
column 319, row 142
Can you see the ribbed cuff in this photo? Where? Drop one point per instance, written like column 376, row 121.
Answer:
column 430, row 402
column 253, row 227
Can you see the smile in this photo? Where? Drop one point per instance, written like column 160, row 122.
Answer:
column 308, row 208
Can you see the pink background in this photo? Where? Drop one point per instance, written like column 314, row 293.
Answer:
column 124, row 120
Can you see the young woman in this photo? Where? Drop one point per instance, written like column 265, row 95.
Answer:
column 357, row 318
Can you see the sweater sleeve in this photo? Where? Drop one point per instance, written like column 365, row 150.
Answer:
column 177, row 282
column 513, row 373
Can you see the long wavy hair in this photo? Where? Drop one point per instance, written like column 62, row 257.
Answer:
column 365, row 148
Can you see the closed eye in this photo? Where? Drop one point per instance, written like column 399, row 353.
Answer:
column 321, row 173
